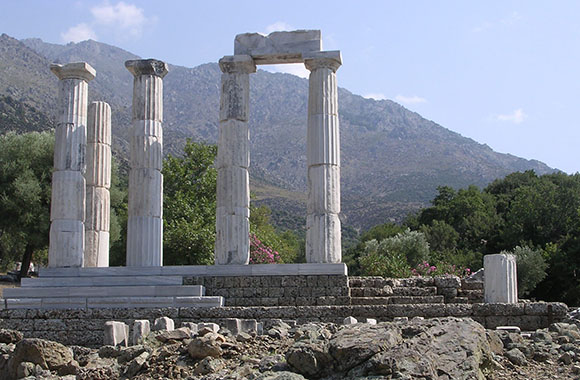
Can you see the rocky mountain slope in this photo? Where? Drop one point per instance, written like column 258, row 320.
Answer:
column 392, row 158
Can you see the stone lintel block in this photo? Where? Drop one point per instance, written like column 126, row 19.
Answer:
column 323, row 238
column 233, row 144
column 145, row 192
column 214, row 327
column 68, row 196
column 98, row 209
column 116, row 334
column 96, row 248
column 323, row 140
column 278, row 47
column 233, row 324
column 330, row 60
column 147, row 128
column 146, row 152
column 99, row 123
column 232, row 239
column 98, row 159
column 67, row 240
column 235, row 96
column 70, row 147
column 148, row 98
column 24, row 303
column 144, row 241
column 233, row 188
column 141, row 328
column 74, row 70
column 238, row 63
column 140, row 67
column 249, row 326
column 164, row 323
column 500, row 279
column 323, row 189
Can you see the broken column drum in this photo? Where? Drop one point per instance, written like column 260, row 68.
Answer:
column 233, row 161
column 323, row 236
column 67, row 212
column 145, row 206
column 98, row 179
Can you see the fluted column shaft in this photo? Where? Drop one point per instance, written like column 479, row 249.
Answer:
column 145, row 214
column 98, row 178
column 67, row 212
column 233, row 160
column 323, row 236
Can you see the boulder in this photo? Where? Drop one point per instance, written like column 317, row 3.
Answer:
column 49, row 355
column 206, row 345
column 10, row 336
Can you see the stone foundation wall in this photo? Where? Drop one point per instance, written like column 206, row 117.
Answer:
column 85, row 327
column 314, row 290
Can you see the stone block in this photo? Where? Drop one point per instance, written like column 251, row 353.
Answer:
column 141, row 328
column 498, row 309
column 323, row 189
column 144, row 241
column 146, row 152
column 323, row 140
column 233, row 144
column 447, row 282
column 145, row 193
column 278, row 47
column 164, row 323
column 149, row 128
column 214, row 327
column 233, row 325
column 191, row 326
column 323, row 238
column 96, row 249
column 349, row 321
column 260, row 328
column 99, row 123
column 235, row 95
column 232, row 239
column 98, row 158
column 98, row 206
column 233, row 191
column 500, row 279
column 458, row 310
column 68, row 196
column 148, row 98
column 67, row 240
column 249, row 326
column 116, row 334
column 70, row 147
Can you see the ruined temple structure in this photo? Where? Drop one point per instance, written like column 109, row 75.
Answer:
column 323, row 235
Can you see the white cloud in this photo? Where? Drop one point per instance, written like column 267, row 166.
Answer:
column 410, row 99
column 507, row 21
column 126, row 17
column 278, row 26
column 78, row 33
column 297, row 69
column 375, row 96
column 515, row 117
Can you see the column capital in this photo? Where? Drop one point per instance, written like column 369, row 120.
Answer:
column 139, row 67
column 75, row 70
column 237, row 64
column 323, row 59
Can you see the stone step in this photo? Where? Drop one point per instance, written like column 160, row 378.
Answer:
column 371, row 282
column 106, row 291
column 415, row 291
column 111, row 302
column 400, row 300
column 100, row 281
column 202, row 270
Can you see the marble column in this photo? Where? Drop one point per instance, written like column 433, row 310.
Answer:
column 500, row 278
column 145, row 214
column 67, row 211
column 323, row 236
column 98, row 177
column 233, row 160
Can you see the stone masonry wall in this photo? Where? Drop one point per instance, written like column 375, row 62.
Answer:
column 85, row 327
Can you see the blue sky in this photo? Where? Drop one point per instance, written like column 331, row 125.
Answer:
column 504, row 73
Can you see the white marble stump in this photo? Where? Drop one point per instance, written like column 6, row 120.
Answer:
column 500, row 278
column 67, row 213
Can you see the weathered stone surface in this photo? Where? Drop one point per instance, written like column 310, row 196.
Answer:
column 47, row 354
column 164, row 323
column 500, row 279
column 278, row 47
column 116, row 333
column 141, row 328
column 177, row 334
column 206, row 345
column 10, row 336
column 323, row 238
column 68, row 238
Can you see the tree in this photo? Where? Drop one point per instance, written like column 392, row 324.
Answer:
column 25, row 189
column 531, row 268
column 189, row 205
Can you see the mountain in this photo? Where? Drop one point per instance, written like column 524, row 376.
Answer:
column 392, row 159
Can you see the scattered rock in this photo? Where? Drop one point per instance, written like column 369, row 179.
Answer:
column 177, row 334
column 10, row 336
column 516, row 356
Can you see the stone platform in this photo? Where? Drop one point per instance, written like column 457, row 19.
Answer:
column 156, row 287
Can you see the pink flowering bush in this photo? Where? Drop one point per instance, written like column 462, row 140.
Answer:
column 443, row 268
column 261, row 253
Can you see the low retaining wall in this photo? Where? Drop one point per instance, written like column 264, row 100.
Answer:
column 85, row 327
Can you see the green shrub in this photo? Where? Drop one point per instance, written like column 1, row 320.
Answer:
column 531, row 268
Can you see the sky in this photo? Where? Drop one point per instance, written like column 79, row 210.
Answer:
column 504, row 73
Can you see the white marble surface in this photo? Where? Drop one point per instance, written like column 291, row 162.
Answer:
column 500, row 279
column 278, row 47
